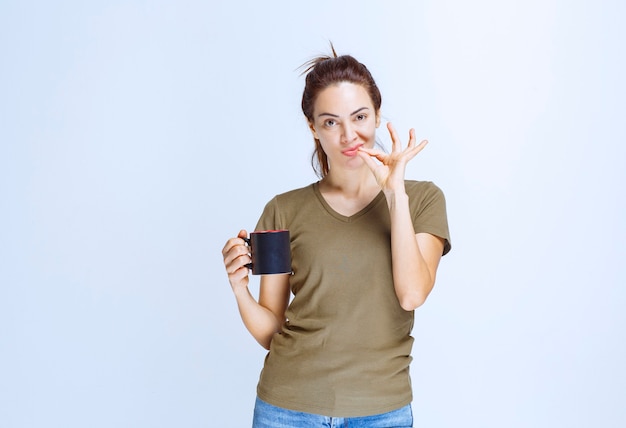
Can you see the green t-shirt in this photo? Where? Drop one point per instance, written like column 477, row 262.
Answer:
column 345, row 347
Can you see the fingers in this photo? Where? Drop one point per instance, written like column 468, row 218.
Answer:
column 395, row 140
column 234, row 241
column 419, row 147
column 411, row 137
column 366, row 155
column 236, row 254
column 411, row 149
column 374, row 153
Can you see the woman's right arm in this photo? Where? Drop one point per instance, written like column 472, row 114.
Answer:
column 263, row 318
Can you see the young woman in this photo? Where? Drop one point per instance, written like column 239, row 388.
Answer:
column 366, row 244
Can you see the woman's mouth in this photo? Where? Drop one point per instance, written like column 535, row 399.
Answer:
column 352, row 151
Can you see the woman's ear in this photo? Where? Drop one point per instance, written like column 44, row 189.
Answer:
column 312, row 128
column 377, row 119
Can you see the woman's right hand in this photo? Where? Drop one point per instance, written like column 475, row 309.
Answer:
column 265, row 317
column 236, row 256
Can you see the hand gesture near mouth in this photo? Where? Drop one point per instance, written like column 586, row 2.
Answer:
column 389, row 171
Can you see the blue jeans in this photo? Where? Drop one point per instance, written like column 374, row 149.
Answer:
column 268, row 416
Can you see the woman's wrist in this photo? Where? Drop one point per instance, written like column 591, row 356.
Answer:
column 239, row 289
column 395, row 196
column 395, row 192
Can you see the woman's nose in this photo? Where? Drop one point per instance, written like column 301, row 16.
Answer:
column 349, row 134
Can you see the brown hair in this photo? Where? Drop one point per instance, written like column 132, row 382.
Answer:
column 324, row 71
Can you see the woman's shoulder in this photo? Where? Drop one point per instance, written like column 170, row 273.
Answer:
column 298, row 192
column 424, row 194
column 423, row 187
column 295, row 197
column 280, row 211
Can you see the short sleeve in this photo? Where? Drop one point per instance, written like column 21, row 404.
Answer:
column 269, row 219
column 428, row 210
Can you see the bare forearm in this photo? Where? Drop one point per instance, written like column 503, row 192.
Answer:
column 259, row 321
column 412, row 279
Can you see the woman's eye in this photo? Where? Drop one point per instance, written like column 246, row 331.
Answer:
column 330, row 122
column 361, row 117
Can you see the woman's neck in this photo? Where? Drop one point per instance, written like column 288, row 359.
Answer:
column 350, row 184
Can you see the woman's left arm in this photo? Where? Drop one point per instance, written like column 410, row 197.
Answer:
column 415, row 257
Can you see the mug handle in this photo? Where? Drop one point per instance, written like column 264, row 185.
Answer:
column 247, row 241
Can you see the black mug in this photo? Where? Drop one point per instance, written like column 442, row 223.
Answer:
column 270, row 251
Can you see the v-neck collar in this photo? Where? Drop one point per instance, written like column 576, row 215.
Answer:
column 346, row 219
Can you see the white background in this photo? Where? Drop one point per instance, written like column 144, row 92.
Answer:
column 137, row 136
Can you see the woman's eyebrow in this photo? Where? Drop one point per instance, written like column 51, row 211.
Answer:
column 358, row 110
column 351, row 114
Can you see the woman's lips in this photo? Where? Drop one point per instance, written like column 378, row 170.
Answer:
column 352, row 151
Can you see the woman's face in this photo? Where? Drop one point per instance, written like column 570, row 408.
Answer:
column 344, row 119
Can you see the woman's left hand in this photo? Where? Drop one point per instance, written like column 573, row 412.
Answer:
column 390, row 171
